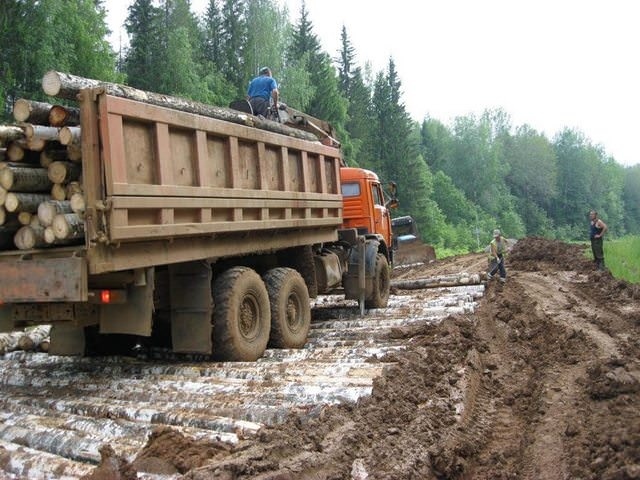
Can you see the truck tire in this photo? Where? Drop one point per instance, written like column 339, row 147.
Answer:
column 241, row 315
column 290, row 309
column 381, row 284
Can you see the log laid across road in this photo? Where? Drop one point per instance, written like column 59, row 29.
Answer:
column 438, row 282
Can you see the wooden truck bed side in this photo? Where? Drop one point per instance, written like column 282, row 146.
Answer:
column 165, row 186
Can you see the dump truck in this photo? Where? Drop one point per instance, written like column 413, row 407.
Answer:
column 206, row 234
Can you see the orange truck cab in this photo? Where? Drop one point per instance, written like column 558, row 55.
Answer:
column 364, row 206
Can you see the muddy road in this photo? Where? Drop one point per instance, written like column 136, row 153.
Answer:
column 535, row 379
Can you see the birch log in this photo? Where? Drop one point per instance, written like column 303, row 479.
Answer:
column 49, row 236
column 74, row 152
column 68, row 226
column 58, row 192
column 49, row 209
column 77, row 203
column 25, row 151
column 32, row 337
column 29, row 237
column 21, row 179
column 15, row 152
column 40, row 132
column 9, row 133
column 31, row 111
column 51, row 240
column 73, row 187
column 24, row 202
column 437, row 282
column 64, row 85
column 9, row 342
column 24, row 218
column 70, row 135
column 64, row 172
column 61, row 116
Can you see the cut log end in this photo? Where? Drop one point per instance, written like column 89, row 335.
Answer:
column 77, row 203
column 68, row 226
column 51, row 83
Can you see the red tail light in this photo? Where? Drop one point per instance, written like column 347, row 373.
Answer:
column 105, row 296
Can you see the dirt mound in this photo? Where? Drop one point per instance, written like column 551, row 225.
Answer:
column 536, row 253
column 169, row 452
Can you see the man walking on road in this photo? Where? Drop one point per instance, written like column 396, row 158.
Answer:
column 597, row 229
column 498, row 250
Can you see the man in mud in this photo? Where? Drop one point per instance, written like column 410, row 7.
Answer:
column 597, row 229
column 261, row 90
column 498, row 248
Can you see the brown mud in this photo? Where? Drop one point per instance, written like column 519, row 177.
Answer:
column 541, row 382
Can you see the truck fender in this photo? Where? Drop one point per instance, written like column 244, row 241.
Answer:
column 6, row 321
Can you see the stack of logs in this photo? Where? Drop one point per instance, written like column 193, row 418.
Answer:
column 41, row 200
column 32, row 338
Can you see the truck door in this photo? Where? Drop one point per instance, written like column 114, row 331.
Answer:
column 382, row 218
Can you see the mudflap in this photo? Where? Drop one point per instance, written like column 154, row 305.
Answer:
column 67, row 339
column 351, row 280
column 6, row 322
column 134, row 317
column 191, row 307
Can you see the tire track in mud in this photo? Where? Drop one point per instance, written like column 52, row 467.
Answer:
column 56, row 412
column 535, row 358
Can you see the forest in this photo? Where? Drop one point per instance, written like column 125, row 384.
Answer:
column 459, row 180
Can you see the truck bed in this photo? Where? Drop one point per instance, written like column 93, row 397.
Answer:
column 164, row 186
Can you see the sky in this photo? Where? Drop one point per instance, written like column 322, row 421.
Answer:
column 549, row 64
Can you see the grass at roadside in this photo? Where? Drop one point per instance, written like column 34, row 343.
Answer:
column 622, row 257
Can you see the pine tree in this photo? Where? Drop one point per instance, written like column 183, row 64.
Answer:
column 143, row 59
column 358, row 96
column 212, row 36
column 327, row 102
column 234, row 40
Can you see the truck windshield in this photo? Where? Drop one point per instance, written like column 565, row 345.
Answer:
column 350, row 189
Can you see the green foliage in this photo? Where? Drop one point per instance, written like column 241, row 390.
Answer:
column 65, row 35
column 622, row 259
column 631, row 199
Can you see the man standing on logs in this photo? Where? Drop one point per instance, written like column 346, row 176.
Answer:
column 498, row 250
column 261, row 90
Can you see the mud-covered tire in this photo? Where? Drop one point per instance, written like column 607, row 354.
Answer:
column 241, row 316
column 381, row 283
column 290, row 309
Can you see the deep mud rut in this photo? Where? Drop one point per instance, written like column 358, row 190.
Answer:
column 541, row 381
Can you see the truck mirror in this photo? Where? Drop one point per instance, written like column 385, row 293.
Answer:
column 392, row 203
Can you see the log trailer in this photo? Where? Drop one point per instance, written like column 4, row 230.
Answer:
column 215, row 233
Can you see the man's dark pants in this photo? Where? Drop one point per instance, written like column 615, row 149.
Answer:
column 598, row 252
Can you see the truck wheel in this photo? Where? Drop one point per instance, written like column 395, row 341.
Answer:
column 241, row 316
column 381, row 284
column 290, row 310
